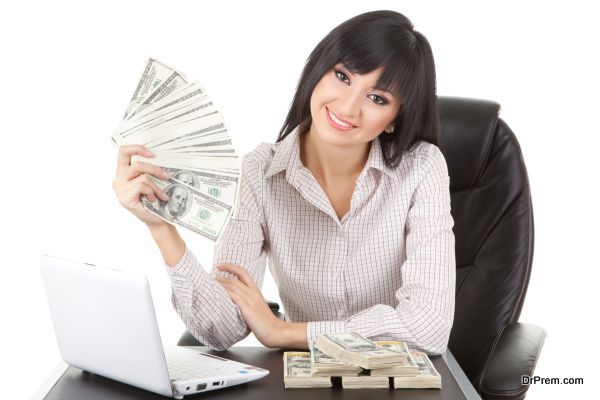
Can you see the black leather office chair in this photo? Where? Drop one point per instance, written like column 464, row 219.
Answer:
column 493, row 215
column 492, row 211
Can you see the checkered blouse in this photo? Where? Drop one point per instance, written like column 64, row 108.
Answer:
column 386, row 270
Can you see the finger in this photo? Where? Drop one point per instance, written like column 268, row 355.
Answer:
column 132, row 196
column 238, row 301
column 144, row 190
column 143, row 181
column 227, row 285
column 240, row 272
column 128, row 150
column 140, row 167
column 151, row 197
column 235, row 286
column 239, row 298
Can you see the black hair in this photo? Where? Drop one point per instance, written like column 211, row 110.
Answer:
column 364, row 43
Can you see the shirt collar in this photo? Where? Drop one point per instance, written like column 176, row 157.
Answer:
column 287, row 156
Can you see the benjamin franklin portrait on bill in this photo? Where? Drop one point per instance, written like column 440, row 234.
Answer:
column 187, row 177
column 178, row 204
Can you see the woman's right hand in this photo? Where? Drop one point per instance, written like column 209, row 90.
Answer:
column 132, row 181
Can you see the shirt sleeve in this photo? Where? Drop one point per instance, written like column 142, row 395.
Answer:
column 202, row 303
column 425, row 312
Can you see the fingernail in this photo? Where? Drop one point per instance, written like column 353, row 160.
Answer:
column 150, row 153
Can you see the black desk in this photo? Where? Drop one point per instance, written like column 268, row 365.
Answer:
column 72, row 383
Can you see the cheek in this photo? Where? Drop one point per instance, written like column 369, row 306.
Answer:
column 324, row 91
column 377, row 118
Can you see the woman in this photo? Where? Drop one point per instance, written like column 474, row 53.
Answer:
column 351, row 205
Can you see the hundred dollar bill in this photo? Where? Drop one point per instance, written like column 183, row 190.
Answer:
column 227, row 165
column 365, row 380
column 178, row 122
column 168, row 118
column 154, row 74
column 191, row 94
column 217, row 186
column 426, row 378
column 296, row 372
column 174, row 82
column 213, row 131
column 407, row 368
column 398, row 347
column 355, row 349
column 201, row 122
column 189, row 208
column 323, row 365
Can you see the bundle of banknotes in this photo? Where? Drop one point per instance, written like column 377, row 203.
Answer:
column 173, row 116
column 409, row 370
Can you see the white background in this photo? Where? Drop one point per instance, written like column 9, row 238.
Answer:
column 69, row 69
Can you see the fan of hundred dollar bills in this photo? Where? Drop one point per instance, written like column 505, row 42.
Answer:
column 174, row 117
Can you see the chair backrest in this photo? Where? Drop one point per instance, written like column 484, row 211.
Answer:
column 492, row 211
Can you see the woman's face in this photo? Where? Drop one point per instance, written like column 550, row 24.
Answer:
column 362, row 112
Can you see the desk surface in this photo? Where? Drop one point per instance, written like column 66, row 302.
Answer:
column 74, row 383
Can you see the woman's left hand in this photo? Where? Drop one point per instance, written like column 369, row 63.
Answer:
column 267, row 328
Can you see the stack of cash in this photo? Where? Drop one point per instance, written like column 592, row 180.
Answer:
column 296, row 372
column 174, row 117
column 365, row 380
column 427, row 377
column 355, row 349
column 407, row 368
column 323, row 365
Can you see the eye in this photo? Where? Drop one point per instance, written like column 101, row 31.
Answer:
column 343, row 78
column 379, row 100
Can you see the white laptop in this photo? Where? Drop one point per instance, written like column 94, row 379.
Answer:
column 105, row 324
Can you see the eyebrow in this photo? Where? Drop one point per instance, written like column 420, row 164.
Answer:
column 374, row 87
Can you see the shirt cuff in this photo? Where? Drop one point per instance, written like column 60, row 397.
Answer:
column 315, row 328
column 187, row 269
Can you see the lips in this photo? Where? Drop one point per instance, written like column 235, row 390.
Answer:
column 331, row 118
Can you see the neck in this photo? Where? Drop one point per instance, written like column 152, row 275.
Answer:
column 332, row 163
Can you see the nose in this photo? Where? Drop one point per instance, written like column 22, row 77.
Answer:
column 349, row 105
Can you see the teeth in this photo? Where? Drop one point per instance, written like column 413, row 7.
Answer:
column 337, row 121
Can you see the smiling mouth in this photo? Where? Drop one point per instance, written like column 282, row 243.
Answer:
column 337, row 122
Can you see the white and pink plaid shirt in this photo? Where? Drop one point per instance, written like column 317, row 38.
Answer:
column 386, row 270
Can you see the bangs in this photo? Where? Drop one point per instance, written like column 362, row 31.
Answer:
column 362, row 56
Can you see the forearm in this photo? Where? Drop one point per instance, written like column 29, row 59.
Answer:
column 169, row 242
column 421, row 325
column 203, row 305
column 293, row 336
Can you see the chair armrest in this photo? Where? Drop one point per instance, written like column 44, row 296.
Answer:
column 514, row 353
column 273, row 305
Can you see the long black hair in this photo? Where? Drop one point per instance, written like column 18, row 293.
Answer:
column 363, row 44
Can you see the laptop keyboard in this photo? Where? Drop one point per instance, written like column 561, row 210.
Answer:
column 185, row 369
